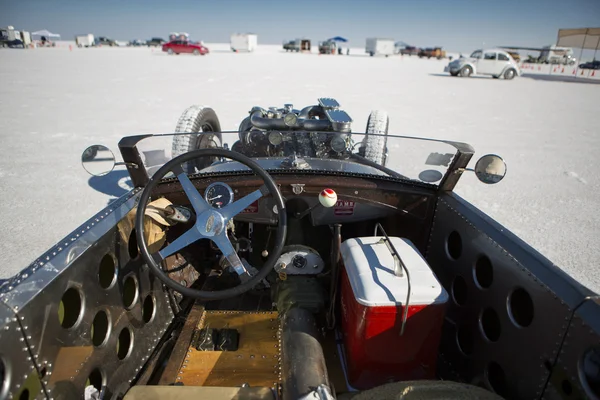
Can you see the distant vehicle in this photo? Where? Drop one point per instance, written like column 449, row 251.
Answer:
column 84, row 40
column 9, row 37
column 410, row 51
column 497, row 63
column 13, row 44
column 548, row 54
column 136, row 43
column 292, row 45
column 435, row 52
column 557, row 55
column 244, row 42
column 590, row 65
column 104, row 41
column 155, row 42
column 327, row 47
column 378, row 46
column 185, row 46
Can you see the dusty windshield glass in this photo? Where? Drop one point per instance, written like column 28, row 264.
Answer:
column 417, row 159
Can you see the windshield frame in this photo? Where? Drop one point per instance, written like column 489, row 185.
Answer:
column 133, row 160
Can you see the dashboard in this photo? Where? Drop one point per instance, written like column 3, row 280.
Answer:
column 358, row 199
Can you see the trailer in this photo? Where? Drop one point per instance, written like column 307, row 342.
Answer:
column 84, row 40
column 9, row 37
column 379, row 46
column 244, row 42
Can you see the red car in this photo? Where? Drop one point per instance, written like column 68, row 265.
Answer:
column 184, row 46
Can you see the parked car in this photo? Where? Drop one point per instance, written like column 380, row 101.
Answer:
column 590, row 65
column 292, row 45
column 435, row 52
column 13, row 44
column 136, row 43
column 155, row 42
column 327, row 47
column 410, row 51
column 185, row 46
column 492, row 62
column 104, row 41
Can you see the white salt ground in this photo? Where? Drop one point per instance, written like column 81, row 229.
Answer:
column 56, row 102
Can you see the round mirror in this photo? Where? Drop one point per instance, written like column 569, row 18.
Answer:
column 98, row 160
column 490, row 169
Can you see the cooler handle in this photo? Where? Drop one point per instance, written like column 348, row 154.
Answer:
column 398, row 267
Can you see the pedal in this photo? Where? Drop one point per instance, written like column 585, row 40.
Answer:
column 205, row 339
column 228, row 340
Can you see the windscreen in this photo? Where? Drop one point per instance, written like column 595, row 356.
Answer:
column 418, row 159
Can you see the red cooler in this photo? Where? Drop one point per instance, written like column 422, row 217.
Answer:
column 373, row 301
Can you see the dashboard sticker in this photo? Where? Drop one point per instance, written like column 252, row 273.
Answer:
column 344, row 207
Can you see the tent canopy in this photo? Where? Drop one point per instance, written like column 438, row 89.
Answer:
column 584, row 38
column 338, row 39
column 46, row 33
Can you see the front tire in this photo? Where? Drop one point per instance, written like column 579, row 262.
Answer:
column 374, row 144
column 197, row 119
column 196, row 52
column 466, row 72
column 170, row 52
column 510, row 74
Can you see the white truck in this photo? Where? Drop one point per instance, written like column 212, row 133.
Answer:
column 84, row 40
column 244, row 42
column 378, row 46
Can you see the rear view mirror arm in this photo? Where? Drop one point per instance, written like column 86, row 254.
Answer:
column 133, row 160
column 457, row 166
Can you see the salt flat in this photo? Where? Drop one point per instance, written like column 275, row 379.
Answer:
column 56, row 102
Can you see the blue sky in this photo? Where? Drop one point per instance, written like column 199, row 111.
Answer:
column 457, row 25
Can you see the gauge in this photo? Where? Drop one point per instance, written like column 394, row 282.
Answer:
column 290, row 119
column 338, row 144
column 275, row 138
column 218, row 195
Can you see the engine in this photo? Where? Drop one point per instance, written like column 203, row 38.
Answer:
column 321, row 130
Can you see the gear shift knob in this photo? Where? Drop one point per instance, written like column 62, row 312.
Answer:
column 328, row 198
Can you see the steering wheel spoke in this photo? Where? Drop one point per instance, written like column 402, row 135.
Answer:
column 182, row 241
column 237, row 207
column 198, row 202
column 226, row 247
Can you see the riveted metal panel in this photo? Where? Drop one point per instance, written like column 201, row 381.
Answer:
column 60, row 326
column 573, row 375
column 483, row 341
column 18, row 370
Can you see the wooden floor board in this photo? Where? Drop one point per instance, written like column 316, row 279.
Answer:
column 256, row 362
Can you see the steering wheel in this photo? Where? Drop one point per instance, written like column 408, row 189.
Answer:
column 211, row 223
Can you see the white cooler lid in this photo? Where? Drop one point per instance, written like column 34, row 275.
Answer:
column 370, row 268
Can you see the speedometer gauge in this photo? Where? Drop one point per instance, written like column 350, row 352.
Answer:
column 218, row 195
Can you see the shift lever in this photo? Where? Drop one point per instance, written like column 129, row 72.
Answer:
column 327, row 199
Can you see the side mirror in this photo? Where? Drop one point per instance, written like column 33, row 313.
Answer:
column 98, row 160
column 490, row 169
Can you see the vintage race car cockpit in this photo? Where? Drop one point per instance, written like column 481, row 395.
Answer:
column 304, row 261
